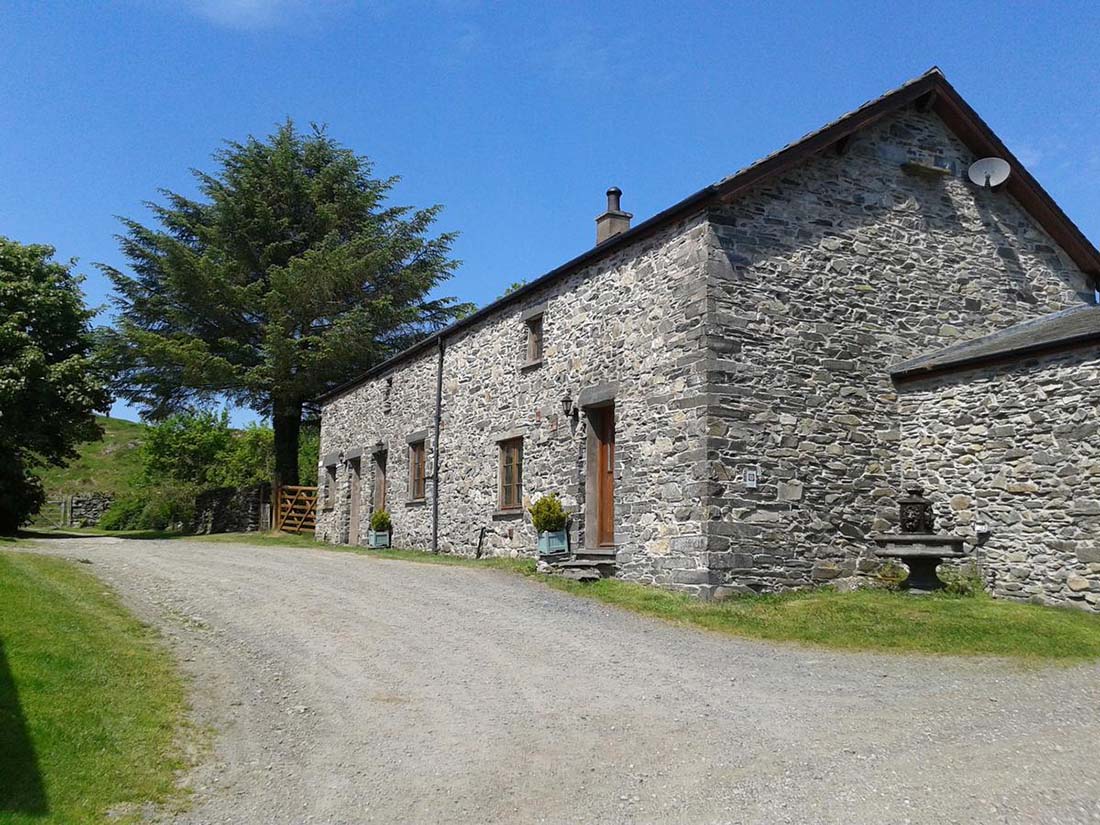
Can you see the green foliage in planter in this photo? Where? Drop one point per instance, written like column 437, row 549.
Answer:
column 548, row 515
column 380, row 522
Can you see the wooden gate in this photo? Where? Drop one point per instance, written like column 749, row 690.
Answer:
column 296, row 510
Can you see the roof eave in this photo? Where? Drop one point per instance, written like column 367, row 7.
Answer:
column 904, row 372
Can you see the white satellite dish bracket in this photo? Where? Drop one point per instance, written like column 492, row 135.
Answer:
column 989, row 172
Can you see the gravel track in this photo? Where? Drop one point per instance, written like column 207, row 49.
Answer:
column 345, row 689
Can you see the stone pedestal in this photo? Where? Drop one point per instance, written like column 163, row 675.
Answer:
column 922, row 553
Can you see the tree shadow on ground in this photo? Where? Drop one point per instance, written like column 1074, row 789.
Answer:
column 21, row 788
column 137, row 535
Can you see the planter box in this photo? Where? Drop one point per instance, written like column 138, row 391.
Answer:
column 551, row 544
column 377, row 539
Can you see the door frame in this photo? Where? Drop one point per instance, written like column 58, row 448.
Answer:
column 355, row 500
column 596, row 475
column 378, row 461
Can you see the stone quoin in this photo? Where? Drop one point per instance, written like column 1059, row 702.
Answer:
column 712, row 394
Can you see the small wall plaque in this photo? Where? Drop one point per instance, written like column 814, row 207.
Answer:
column 751, row 476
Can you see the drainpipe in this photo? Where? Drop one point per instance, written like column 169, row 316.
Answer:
column 435, row 456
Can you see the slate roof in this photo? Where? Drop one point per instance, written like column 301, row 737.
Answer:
column 930, row 89
column 1058, row 330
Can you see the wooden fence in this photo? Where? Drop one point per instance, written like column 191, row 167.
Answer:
column 296, row 509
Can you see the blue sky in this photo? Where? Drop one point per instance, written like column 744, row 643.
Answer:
column 516, row 117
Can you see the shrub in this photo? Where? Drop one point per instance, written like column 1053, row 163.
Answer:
column 248, row 458
column 309, row 450
column 123, row 514
column 891, row 575
column 548, row 515
column 187, row 448
column 380, row 521
column 964, row 580
column 161, row 507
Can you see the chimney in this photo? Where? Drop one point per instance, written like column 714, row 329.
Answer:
column 614, row 220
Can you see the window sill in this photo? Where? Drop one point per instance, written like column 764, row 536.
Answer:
column 416, row 502
column 512, row 512
column 530, row 365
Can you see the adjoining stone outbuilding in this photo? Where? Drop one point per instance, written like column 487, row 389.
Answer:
column 1004, row 431
column 710, row 391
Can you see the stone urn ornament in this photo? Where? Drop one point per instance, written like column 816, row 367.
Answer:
column 918, row 546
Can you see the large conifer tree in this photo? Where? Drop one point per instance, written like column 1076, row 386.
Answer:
column 289, row 275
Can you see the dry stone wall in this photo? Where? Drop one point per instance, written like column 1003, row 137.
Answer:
column 818, row 281
column 1011, row 455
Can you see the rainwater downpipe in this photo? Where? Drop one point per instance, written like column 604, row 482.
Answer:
column 436, row 451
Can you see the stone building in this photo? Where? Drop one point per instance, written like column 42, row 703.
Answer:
column 710, row 391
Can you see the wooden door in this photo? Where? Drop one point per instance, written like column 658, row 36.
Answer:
column 380, row 480
column 355, row 492
column 604, row 425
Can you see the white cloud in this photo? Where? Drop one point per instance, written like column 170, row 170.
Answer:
column 266, row 14
column 245, row 14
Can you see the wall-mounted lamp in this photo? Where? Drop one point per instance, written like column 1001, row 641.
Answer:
column 567, row 407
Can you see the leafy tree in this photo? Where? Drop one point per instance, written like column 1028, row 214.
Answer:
column 250, row 458
column 289, row 275
column 49, row 385
column 187, row 448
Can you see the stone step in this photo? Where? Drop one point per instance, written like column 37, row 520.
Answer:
column 583, row 574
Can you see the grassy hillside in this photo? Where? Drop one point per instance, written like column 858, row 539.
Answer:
column 103, row 466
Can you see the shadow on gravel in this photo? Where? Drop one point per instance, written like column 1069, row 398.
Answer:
column 137, row 535
column 21, row 787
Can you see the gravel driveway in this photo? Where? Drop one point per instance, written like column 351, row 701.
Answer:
column 345, row 689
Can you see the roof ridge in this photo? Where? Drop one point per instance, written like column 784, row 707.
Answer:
column 932, row 86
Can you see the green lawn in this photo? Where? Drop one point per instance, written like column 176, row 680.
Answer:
column 864, row 620
column 105, row 466
column 91, row 707
column 873, row 620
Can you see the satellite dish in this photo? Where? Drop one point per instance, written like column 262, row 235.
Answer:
column 989, row 172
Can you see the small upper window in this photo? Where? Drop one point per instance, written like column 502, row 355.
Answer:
column 534, row 339
column 511, row 474
column 416, row 471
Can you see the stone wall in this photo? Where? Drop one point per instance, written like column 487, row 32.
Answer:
column 230, row 510
column 819, row 280
column 382, row 413
column 629, row 329
column 1015, row 450
column 86, row 509
column 756, row 336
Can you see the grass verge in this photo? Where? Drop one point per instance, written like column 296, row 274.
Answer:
column 91, row 705
column 875, row 620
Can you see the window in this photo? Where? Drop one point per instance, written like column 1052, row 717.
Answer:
column 534, row 339
column 416, row 470
column 330, row 486
column 511, row 474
